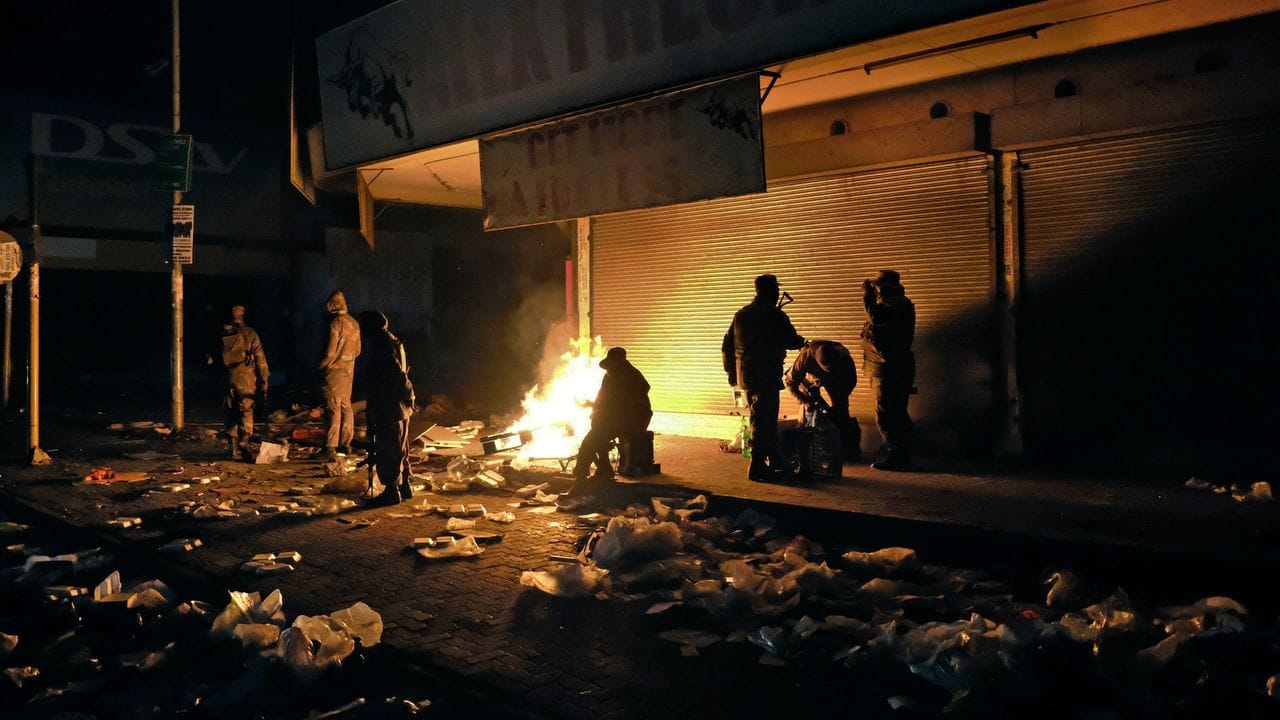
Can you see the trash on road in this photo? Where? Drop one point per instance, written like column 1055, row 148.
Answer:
column 270, row 453
column 566, row 580
column 181, row 545
column 466, row 547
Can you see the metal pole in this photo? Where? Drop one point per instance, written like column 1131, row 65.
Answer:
column 38, row 456
column 8, row 342
column 179, row 410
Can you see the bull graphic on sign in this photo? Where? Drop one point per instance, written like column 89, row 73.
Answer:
column 374, row 79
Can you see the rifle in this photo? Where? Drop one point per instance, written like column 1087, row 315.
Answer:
column 369, row 460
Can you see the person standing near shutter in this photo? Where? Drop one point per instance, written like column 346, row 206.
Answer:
column 890, row 363
column 753, row 350
column 246, row 374
column 338, row 366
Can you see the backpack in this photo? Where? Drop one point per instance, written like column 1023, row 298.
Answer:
column 235, row 350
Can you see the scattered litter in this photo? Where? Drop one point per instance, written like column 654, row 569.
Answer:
column 678, row 508
column 501, row 517
column 529, row 491
column 266, row 567
column 20, row 675
column 566, row 581
column 1065, row 590
column 662, row 607
column 360, row 523
column 694, row 638
column 207, row 479
column 466, row 547
column 65, row 591
column 886, row 561
column 124, row 522
column 1258, row 492
column 106, row 476
column 173, row 487
column 7, row 643
column 543, row 509
column 480, row 536
column 270, row 453
column 470, row 510
column 182, row 545
column 456, row 523
column 1196, row 483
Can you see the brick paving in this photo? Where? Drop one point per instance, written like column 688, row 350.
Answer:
column 468, row 618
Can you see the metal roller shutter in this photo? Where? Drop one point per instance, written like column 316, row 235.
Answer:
column 1119, row 238
column 666, row 282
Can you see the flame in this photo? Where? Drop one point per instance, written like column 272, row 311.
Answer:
column 558, row 412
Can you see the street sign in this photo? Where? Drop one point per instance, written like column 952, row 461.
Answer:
column 173, row 163
column 184, row 233
column 10, row 258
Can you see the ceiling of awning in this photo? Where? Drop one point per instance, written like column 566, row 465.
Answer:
column 450, row 175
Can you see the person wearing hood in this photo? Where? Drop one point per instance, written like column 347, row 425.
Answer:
column 621, row 409
column 385, row 370
column 247, row 374
column 338, row 368
column 753, row 350
column 890, row 363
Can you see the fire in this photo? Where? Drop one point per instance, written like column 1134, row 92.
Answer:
column 558, row 412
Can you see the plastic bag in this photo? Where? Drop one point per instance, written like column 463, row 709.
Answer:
column 627, row 541
column 466, row 547
column 885, row 561
column 256, row 635
column 362, row 622
column 566, row 581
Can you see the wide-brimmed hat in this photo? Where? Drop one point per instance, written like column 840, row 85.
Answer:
column 766, row 283
column 613, row 357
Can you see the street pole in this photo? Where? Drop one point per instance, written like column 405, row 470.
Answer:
column 179, row 410
column 38, row 456
column 8, row 342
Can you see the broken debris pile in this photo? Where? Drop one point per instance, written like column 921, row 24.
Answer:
column 926, row 636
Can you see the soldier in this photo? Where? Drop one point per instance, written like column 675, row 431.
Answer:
column 621, row 409
column 890, row 363
column 386, row 374
column 753, row 350
column 247, row 374
column 826, row 364
column 338, row 367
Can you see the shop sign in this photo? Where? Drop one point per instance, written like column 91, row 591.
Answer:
column 421, row 73
column 675, row 148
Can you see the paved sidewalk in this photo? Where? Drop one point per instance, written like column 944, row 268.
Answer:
column 1151, row 510
column 471, row 620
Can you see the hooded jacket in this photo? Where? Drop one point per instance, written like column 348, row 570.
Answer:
column 344, row 337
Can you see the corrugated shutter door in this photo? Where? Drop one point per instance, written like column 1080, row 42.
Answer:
column 666, row 281
column 1120, row 241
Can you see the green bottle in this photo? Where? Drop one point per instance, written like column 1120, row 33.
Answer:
column 746, row 437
